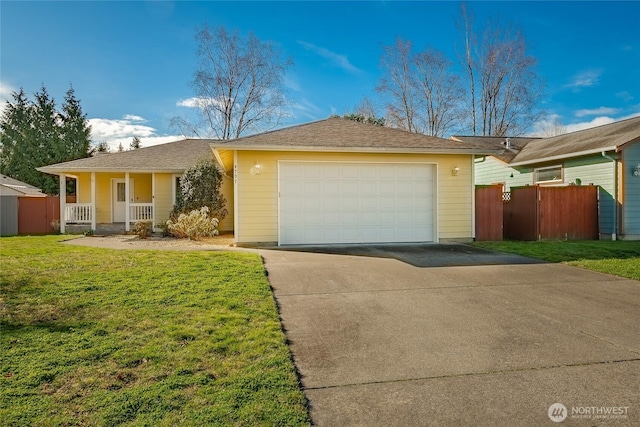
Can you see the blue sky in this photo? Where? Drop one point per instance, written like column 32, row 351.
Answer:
column 131, row 62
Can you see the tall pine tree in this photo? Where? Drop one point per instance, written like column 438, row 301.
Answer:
column 15, row 134
column 34, row 134
column 76, row 132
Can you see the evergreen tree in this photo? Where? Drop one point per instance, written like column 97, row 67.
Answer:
column 135, row 143
column 15, row 127
column 120, row 148
column 102, row 147
column 76, row 132
column 34, row 134
column 47, row 147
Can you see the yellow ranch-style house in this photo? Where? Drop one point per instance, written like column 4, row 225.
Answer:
column 333, row 181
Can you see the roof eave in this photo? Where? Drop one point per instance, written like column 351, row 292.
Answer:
column 58, row 171
column 564, row 156
column 327, row 149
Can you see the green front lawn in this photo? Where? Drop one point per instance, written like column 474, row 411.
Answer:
column 621, row 258
column 155, row 338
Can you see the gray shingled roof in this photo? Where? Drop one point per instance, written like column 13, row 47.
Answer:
column 602, row 138
column 12, row 186
column 498, row 143
column 173, row 156
column 338, row 134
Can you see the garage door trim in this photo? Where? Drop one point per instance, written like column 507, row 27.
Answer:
column 435, row 197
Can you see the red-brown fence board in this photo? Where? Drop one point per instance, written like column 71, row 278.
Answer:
column 489, row 209
column 552, row 213
column 568, row 213
column 521, row 214
column 35, row 214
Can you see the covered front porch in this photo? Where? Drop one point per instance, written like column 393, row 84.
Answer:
column 116, row 201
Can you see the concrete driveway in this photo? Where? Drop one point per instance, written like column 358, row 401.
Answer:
column 411, row 337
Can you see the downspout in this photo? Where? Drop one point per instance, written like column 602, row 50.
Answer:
column 614, row 235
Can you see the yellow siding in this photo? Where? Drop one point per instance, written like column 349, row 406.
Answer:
column 164, row 196
column 226, row 224
column 258, row 194
column 226, row 156
column 103, row 196
column 141, row 187
column 83, row 187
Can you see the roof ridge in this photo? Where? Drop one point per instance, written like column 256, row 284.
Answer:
column 593, row 128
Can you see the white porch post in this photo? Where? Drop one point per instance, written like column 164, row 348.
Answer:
column 93, row 201
column 63, row 202
column 127, row 226
column 153, row 200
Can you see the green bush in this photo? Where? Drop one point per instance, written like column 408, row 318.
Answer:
column 200, row 186
column 194, row 225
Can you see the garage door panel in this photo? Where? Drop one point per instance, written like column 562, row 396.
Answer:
column 348, row 204
column 355, row 203
column 331, row 219
column 386, row 188
column 331, row 188
column 368, row 203
column 311, row 170
column 312, row 219
column 330, row 171
column 349, row 188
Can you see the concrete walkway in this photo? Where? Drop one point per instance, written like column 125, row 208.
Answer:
column 401, row 341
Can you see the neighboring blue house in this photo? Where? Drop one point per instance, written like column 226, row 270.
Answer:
column 607, row 156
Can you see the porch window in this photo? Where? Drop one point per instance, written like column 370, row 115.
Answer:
column 121, row 192
column 549, row 175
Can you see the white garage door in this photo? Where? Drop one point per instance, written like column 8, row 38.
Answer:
column 356, row 203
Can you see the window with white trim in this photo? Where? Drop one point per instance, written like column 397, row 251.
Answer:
column 549, row 175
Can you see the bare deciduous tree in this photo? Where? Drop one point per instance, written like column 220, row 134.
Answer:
column 422, row 95
column 238, row 85
column 397, row 85
column 440, row 93
column 552, row 126
column 503, row 84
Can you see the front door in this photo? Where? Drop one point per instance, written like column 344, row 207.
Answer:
column 119, row 199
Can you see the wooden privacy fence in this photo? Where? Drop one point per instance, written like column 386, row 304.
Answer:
column 489, row 211
column 537, row 213
column 36, row 214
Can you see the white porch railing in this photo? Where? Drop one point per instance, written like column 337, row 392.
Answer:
column 140, row 212
column 79, row 213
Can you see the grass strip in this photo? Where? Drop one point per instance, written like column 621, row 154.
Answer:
column 619, row 258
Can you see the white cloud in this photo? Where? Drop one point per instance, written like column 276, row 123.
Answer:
column 198, row 102
column 5, row 90
column 540, row 128
column 292, row 83
column 5, row 94
column 339, row 60
column 304, row 108
column 625, row 96
column 585, row 79
column 596, row 111
column 545, row 126
column 134, row 118
column 121, row 131
column 598, row 121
